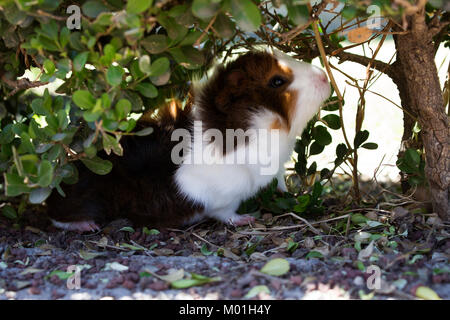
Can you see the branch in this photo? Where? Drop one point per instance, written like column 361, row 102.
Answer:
column 315, row 12
column 365, row 61
column 21, row 84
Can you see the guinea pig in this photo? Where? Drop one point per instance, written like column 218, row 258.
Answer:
column 229, row 141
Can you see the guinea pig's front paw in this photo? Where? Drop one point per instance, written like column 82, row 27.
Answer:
column 241, row 220
column 84, row 226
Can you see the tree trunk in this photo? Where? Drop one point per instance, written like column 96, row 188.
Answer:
column 415, row 74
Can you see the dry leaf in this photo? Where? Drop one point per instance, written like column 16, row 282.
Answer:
column 309, row 243
column 367, row 252
column 163, row 252
column 359, row 35
column 172, row 275
column 258, row 256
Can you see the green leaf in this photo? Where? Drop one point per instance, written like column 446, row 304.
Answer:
column 412, row 157
column 138, row 6
column 147, row 89
column 341, row 151
column 410, row 162
column 224, row 26
column 144, row 132
column 292, row 246
column 314, row 254
column 39, row 195
column 155, row 43
column 9, row 212
column 80, row 60
column 15, row 185
column 188, row 57
column 98, row 165
column 7, row 134
column 205, row 9
column 64, row 36
column 196, row 280
column 358, row 218
column 303, row 202
column 332, row 121
column 127, row 229
column 349, row 12
column 144, row 64
column 321, row 135
column 325, row 173
column 247, row 14
column 253, row 292
column 298, row 13
column 150, row 232
column 370, row 145
column 315, row 148
column 83, row 99
column 436, row 3
column 111, row 143
column 93, row 8
column 276, row 267
column 61, row 274
column 204, row 250
column 45, row 173
column 317, row 191
column 123, row 107
column 360, row 138
column 332, row 104
column 159, row 67
column 114, row 75
column 49, row 67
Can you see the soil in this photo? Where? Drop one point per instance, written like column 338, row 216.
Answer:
column 120, row 262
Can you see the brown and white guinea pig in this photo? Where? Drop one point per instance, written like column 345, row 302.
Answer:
column 266, row 98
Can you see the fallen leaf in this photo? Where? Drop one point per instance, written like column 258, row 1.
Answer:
column 30, row 271
column 362, row 236
column 172, row 275
column 367, row 252
column 195, row 280
column 258, row 256
column 115, row 266
column 253, row 292
column 276, row 267
column 88, row 255
column 163, row 252
column 228, row 254
column 33, row 229
column 427, row 293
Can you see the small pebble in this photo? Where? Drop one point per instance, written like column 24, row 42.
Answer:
column 129, row 284
column 158, row 286
column 34, row 290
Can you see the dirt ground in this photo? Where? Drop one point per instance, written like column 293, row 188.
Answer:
column 335, row 256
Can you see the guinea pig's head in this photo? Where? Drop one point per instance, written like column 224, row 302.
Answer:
column 258, row 82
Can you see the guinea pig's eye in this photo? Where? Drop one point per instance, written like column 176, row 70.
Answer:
column 276, row 82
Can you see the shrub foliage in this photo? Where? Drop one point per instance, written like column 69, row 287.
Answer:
column 108, row 61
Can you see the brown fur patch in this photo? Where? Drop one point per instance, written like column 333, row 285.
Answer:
column 277, row 124
column 289, row 103
column 242, row 88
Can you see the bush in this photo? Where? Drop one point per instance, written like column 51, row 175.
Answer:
column 108, row 62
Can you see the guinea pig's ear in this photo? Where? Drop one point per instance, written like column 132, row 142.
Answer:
column 233, row 88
